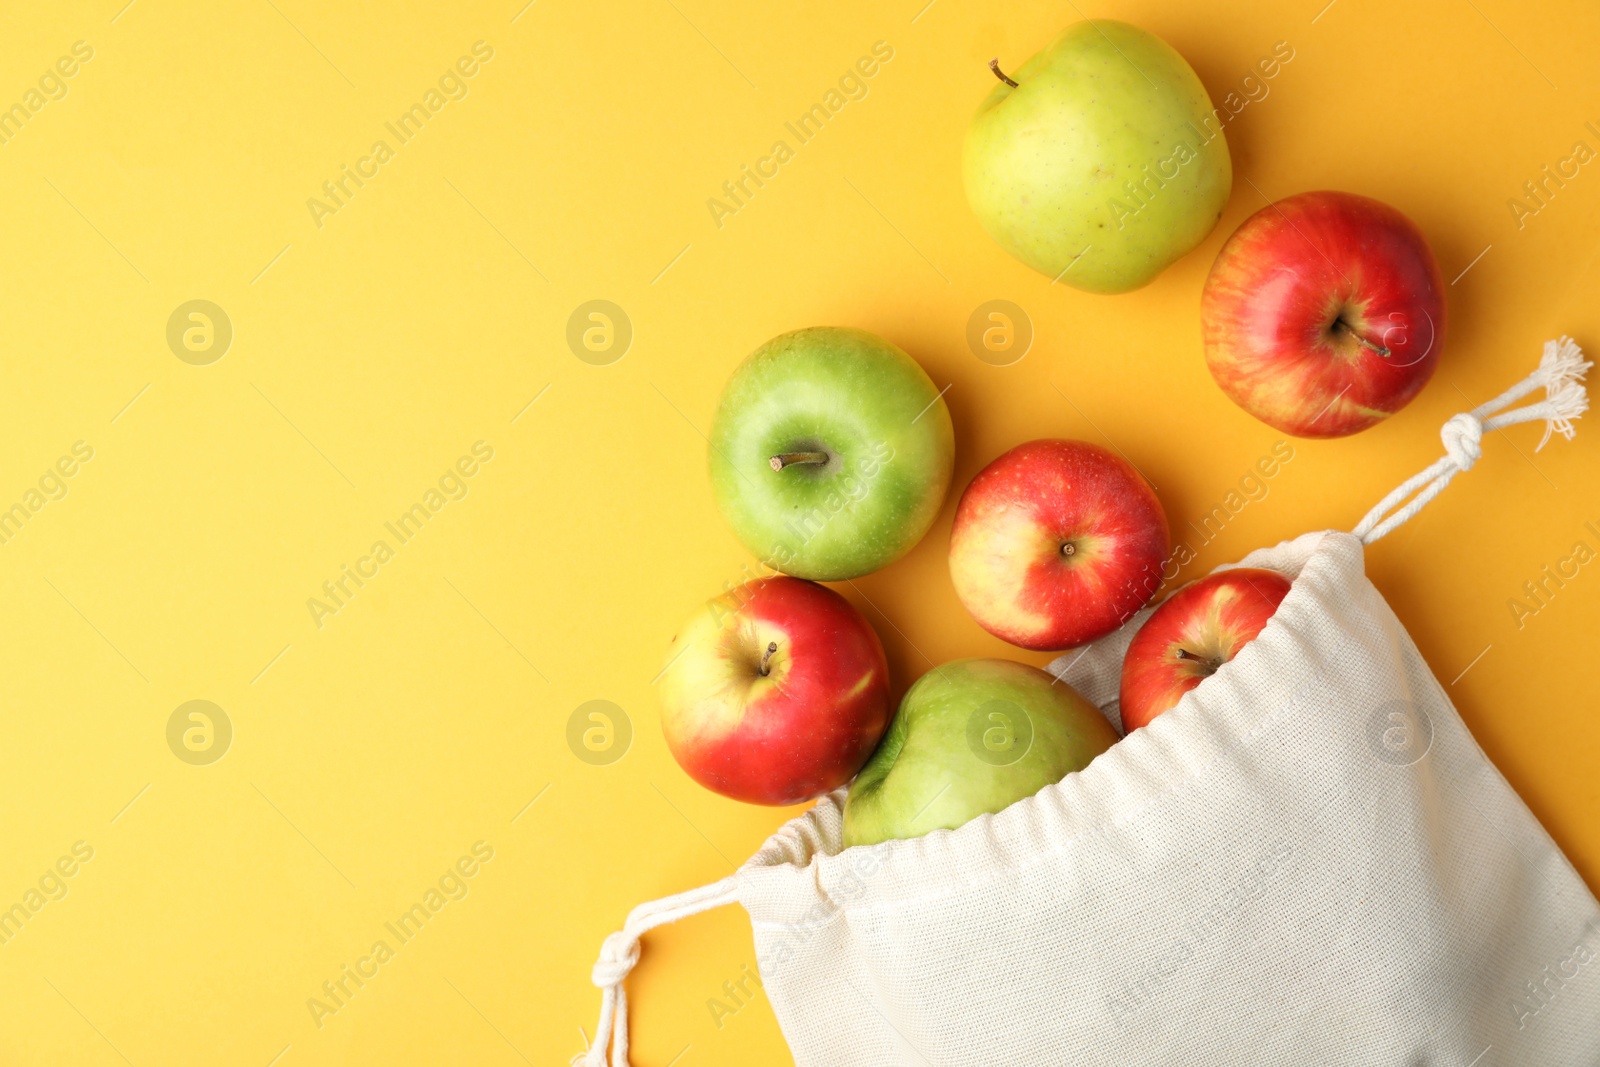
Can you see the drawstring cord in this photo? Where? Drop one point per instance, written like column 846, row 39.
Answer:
column 620, row 952
column 1560, row 372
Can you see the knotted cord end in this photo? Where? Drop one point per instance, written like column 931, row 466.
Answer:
column 1560, row 372
column 619, row 954
column 1463, row 439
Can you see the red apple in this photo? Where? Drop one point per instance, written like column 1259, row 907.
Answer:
column 1056, row 543
column 1323, row 314
column 1194, row 632
column 775, row 693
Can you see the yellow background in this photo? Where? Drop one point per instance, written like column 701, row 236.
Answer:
column 368, row 354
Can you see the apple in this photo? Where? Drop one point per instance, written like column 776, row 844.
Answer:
column 1099, row 161
column 774, row 693
column 1056, row 543
column 971, row 736
column 830, row 453
column 1324, row 314
column 1192, row 634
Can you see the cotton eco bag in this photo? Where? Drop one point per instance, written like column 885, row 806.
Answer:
column 1307, row 861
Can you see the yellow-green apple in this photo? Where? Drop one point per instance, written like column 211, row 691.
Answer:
column 1193, row 633
column 775, row 692
column 1056, row 543
column 970, row 737
column 1098, row 161
column 830, row 453
column 1323, row 314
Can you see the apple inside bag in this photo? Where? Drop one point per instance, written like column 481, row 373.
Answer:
column 1305, row 859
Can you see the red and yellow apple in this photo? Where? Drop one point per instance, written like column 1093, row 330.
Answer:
column 1324, row 314
column 1192, row 634
column 774, row 693
column 1056, row 543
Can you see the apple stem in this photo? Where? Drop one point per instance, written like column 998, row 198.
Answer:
column 1069, row 549
column 994, row 65
column 1340, row 324
column 766, row 660
column 1208, row 665
column 782, row 460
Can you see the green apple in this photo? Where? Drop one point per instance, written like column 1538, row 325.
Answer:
column 830, row 453
column 972, row 736
column 1099, row 161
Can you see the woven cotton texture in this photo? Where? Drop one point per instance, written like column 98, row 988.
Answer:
column 1307, row 861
